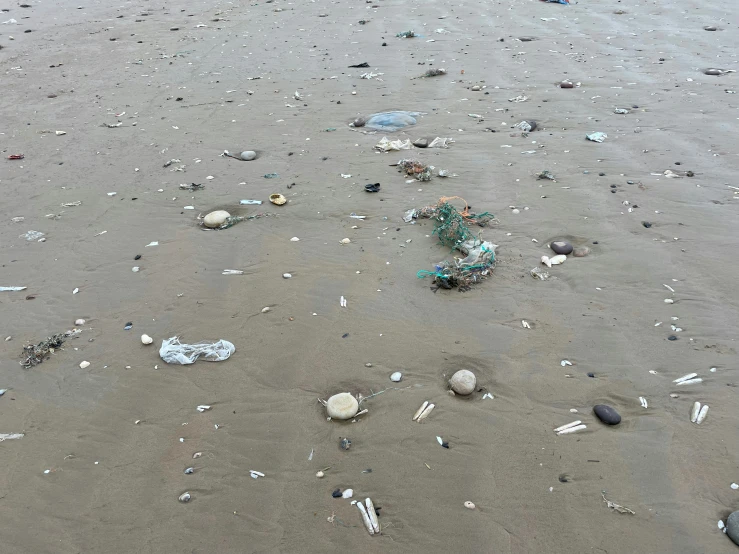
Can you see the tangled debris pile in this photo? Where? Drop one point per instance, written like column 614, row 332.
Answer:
column 452, row 228
column 415, row 168
column 35, row 354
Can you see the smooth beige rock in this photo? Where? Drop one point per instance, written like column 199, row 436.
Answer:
column 463, row 382
column 146, row 339
column 342, row 406
column 345, row 241
column 84, row 365
column 216, row 218
column 79, row 322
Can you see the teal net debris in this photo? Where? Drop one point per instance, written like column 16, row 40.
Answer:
column 452, row 228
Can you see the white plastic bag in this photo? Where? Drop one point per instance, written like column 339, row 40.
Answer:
column 173, row 351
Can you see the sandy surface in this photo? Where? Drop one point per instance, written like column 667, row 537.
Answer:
column 112, row 485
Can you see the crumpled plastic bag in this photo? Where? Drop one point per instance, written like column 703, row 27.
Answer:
column 597, row 136
column 440, row 142
column 391, row 121
column 386, row 145
column 173, row 351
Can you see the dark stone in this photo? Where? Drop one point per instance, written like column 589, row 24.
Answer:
column 421, row 143
column 566, row 84
column 336, row 493
column 372, row 187
column 137, row 257
column 629, row 182
column 646, row 224
column 707, row 28
column 561, row 247
column 672, row 337
column 591, row 375
column 606, row 414
column 732, row 527
column 601, row 174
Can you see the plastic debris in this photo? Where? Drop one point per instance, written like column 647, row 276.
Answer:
column 12, row 289
column 32, row 235
column 597, row 136
column 37, row 353
column 406, row 34
column 390, row 121
column 173, row 351
column 250, row 202
column 11, row 436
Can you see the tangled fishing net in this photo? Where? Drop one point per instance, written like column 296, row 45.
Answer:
column 452, row 228
column 35, row 354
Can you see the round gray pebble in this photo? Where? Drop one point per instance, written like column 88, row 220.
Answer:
column 248, row 155
column 606, row 414
column 732, row 527
column 561, row 247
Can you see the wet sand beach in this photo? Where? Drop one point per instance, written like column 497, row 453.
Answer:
column 102, row 462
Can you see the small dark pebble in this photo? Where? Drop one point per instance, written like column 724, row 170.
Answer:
column 377, row 510
column 591, row 375
column 595, row 242
column 345, row 443
column 690, row 174
column 344, row 335
column 28, row 31
column 179, row 99
column 564, row 478
column 613, row 191
column 635, row 107
column 629, row 182
column 561, row 247
column 606, row 414
column 128, row 326
column 613, row 186
column 137, row 257
column 384, row 43
column 601, row 174
column 566, row 84
column 708, row 28
column 672, row 337
column 646, row 224
column 336, row 493
column 445, row 445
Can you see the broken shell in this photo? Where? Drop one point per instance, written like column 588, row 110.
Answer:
column 216, row 218
column 567, row 426
column 572, row 429
column 79, row 322
column 372, row 514
column 463, row 382
column 320, row 475
column 277, row 199
column 342, row 406
column 189, row 471
column 426, row 412
column 396, row 377
column 345, row 443
column 366, row 518
column 546, row 261
column 84, row 365
column 558, row 259
column 702, row 415
column 197, row 455
column 184, row 497
column 348, row 493
column 345, row 241
column 669, row 301
column 266, row 309
column 420, row 410
column 146, row 339
column 694, row 411
column 469, row 505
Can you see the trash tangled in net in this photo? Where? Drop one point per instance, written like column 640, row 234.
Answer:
column 415, row 168
column 451, row 226
column 234, row 219
column 35, row 354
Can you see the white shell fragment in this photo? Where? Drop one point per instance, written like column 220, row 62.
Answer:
column 426, row 412
column 420, row 410
column 572, row 430
column 565, row 362
column 184, row 497
column 372, row 514
column 702, row 415
column 348, row 493
column 643, row 402
column 146, row 339
column 320, row 474
column 203, row 408
column 255, row 474
column 685, row 378
column 84, row 365
column 396, row 377
column 440, row 440
column 469, row 505
column 694, row 411
column 546, row 261
column 669, row 301
column 79, row 322
column 345, row 241
column 558, row 259
column 690, row 381
column 342, row 406
column 567, row 426
column 366, row 518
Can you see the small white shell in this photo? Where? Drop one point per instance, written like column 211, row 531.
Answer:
column 420, row 410
column 146, row 339
column 563, row 427
column 546, row 261
column 643, row 402
column 184, row 497
column 469, row 505
column 372, row 514
column 558, row 259
column 669, row 301
column 79, row 322
column 320, row 475
column 84, row 365
column 426, row 412
column 203, row 408
column 197, row 455
column 348, row 493
column 345, row 241
column 685, row 377
column 702, row 415
column 266, row 309
column 690, row 381
column 396, row 377
column 572, row 430
column 294, row 239
column 287, row 275
column 366, row 519
column 440, row 440
column 565, row 362
column 694, row 411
